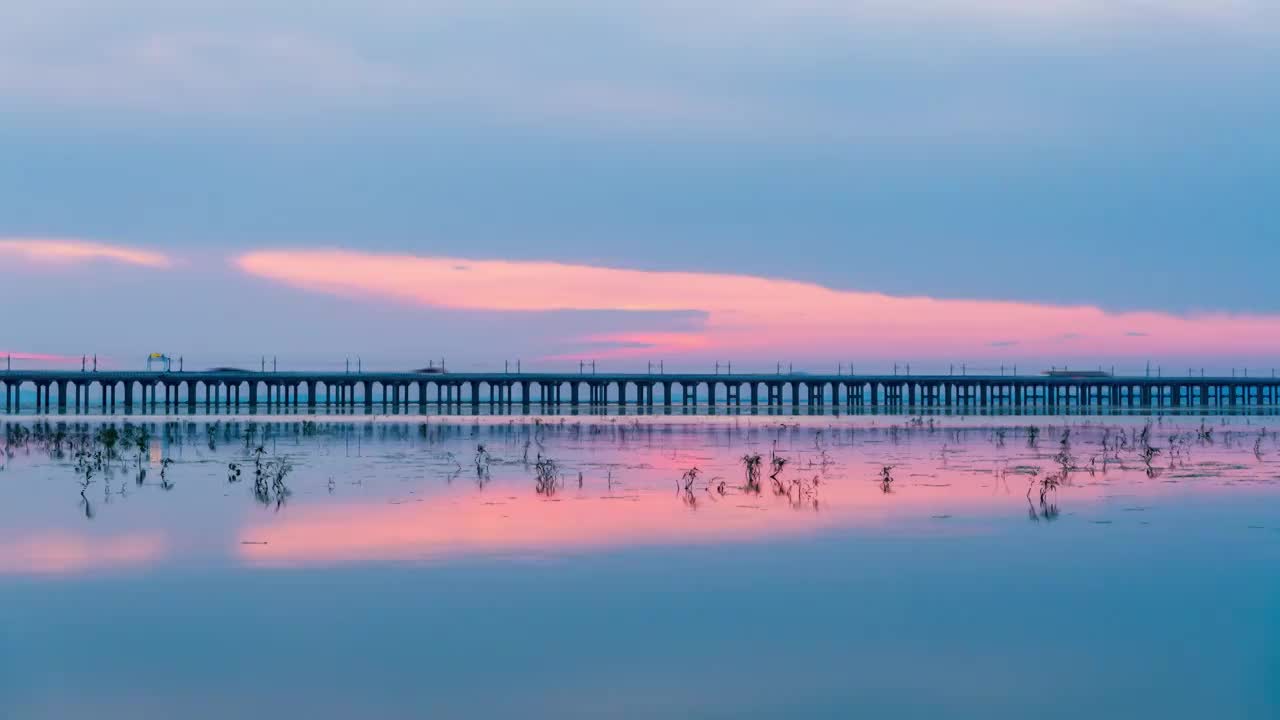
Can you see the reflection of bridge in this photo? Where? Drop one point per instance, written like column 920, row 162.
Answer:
column 401, row 392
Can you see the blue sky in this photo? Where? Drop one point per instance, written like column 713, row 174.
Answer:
column 1111, row 154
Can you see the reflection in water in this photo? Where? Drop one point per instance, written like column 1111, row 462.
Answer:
column 58, row 552
column 553, row 568
column 390, row 491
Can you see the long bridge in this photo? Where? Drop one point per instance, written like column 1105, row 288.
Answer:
column 236, row 390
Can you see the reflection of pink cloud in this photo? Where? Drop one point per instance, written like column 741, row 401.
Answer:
column 64, row 553
column 438, row 529
column 759, row 315
column 441, row 529
column 52, row 250
column 458, row 524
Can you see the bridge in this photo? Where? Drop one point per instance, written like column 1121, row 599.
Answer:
column 237, row 390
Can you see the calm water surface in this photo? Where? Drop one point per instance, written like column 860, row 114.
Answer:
column 387, row 567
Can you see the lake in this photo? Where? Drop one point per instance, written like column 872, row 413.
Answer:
column 640, row 567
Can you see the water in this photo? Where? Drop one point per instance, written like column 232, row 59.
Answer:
column 395, row 573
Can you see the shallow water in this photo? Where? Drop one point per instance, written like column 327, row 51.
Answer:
column 397, row 572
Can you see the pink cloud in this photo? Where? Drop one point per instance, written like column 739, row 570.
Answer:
column 55, row 250
column 38, row 357
column 764, row 317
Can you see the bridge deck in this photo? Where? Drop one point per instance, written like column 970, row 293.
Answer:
column 228, row 389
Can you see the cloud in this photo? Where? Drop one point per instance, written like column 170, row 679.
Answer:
column 51, row 250
column 242, row 72
column 623, row 344
column 256, row 76
column 1059, row 13
column 761, row 317
column 195, row 71
column 761, row 69
column 38, row 357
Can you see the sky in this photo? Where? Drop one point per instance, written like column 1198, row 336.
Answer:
column 823, row 183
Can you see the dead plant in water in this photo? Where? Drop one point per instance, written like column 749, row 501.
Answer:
column 752, row 465
column 1046, row 484
column 268, row 477
column 1047, row 511
column 689, row 478
column 546, row 476
column 886, row 479
column 1064, row 459
column 482, row 460
column 777, row 464
column 1148, row 454
column 1205, row 434
column 164, row 473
